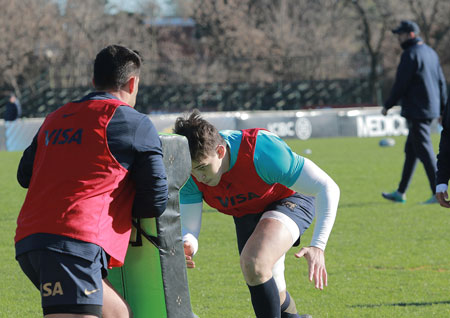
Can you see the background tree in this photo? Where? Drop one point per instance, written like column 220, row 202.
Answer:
column 433, row 19
column 215, row 41
column 27, row 28
column 373, row 20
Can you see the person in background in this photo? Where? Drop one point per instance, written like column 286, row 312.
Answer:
column 421, row 87
column 13, row 111
column 272, row 194
column 94, row 164
column 443, row 161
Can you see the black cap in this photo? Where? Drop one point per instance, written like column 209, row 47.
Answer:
column 406, row 26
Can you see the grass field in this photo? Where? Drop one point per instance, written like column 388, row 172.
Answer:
column 383, row 259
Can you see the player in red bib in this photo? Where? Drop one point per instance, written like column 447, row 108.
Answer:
column 93, row 164
column 271, row 192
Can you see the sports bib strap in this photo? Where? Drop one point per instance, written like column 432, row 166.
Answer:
column 138, row 233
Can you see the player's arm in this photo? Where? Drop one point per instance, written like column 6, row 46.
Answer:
column 191, row 204
column 443, row 159
column 403, row 78
column 191, row 219
column 314, row 181
column 276, row 162
column 25, row 169
column 148, row 172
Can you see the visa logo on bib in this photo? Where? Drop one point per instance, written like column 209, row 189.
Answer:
column 239, row 198
column 66, row 136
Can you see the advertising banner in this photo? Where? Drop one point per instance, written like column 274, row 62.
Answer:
column 324, row 123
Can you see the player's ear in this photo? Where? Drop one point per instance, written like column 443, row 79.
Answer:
column 221, row 151
column 132, row 84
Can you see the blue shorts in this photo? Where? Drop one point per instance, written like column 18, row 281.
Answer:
column 299, row 207
column 68, row 283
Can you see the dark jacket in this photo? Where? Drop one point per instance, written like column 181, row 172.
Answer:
column 12, row 111
column 419, row 83
column 443, row 162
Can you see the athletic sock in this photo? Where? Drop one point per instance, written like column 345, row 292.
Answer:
column 265, row 299
column 288, row 308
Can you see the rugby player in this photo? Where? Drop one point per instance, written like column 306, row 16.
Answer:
column 93, row 164
column 272, row 194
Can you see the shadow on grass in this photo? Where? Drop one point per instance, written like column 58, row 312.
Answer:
column 364, row 204
column 443, row 302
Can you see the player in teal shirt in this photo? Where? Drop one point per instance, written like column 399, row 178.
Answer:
column 284, row 191
column 274, row 161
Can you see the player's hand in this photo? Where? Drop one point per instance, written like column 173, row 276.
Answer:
column 188, row 253
column 316, row 263
column 442, row 197
column 384, row 111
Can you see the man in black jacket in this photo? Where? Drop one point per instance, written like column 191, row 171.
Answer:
column 443, row 162
column 13, row 111
column 421, row 87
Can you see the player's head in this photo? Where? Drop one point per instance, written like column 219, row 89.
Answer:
column 114, row 66
column 207, row 147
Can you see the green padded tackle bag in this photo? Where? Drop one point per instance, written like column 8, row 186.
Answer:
column 153, row 279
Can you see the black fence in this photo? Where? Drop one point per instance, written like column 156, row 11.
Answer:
column 42, row 100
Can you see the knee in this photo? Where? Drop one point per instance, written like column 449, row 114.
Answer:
column 255, row 270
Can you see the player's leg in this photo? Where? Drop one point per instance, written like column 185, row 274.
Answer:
column 70, row 286
column 288, row 307
column 425, row 151
column 245, row 226
column 300, row 212
column 296, row 213
column 268, row 243
column 410, row 163
column 114, row 306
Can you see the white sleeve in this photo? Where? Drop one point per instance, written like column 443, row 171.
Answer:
column 191, row 221
column 315, row 182
column 441, row 188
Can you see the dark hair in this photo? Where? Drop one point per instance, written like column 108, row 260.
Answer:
column 114, row 65
column 202, row 136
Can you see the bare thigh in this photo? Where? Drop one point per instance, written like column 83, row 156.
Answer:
column 114, row 306
column 270, row 240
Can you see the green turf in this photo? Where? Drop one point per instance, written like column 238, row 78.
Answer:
column 383, row 259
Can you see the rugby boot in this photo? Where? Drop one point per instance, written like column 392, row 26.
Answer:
column 431, row 200
column 394, row 196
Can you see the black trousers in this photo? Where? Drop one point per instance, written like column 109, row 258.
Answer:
column 418, row 146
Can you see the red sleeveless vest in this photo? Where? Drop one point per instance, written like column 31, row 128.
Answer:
column 241, row 190
column 78, row 189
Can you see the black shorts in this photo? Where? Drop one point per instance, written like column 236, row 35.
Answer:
column 299, row 207
column 67, row 283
